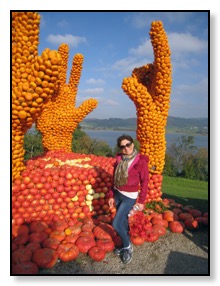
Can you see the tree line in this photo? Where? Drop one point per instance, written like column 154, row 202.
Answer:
column 182, row 159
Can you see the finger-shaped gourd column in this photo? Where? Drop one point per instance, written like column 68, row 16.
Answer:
column 60, row 117
column 149, row 87
column 34, row 80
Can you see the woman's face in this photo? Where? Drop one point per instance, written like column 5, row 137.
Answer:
column 126, row 147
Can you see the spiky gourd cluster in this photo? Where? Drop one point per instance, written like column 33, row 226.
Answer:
column 34, row 79
column 60, row 117
column 149, row 88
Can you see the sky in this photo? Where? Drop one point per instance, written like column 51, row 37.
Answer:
column 114, row 43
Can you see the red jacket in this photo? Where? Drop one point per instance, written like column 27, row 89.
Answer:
column 138, row 177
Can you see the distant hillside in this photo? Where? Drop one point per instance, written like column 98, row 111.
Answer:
column 187, row 125
column 111, row 123
column 174, row 124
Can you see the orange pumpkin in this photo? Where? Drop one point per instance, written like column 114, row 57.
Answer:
column 84, row 243
column 176, row 226
column 60, row 235
column 138, row 240
column 67, row 252
column 169, row 216
column 106, row 244
column 96, row 253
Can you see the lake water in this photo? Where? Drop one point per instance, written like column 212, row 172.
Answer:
column 110, row 137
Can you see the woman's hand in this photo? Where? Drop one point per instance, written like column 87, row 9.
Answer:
column 140, row 206
column 111, row 202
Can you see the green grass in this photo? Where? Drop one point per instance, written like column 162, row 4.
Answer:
column 186, row 192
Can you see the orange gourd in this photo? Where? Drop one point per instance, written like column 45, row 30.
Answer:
column 149, row 87
column 28, row 92
column 60, row 117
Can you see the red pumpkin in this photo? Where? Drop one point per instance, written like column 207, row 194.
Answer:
column 51, row 242
column 169, row 216
column 87, row 227
column 151, row 236
column 87, row 233
column 75, row 229
column 38, row 226
column 84, row 243
column 88, row 220
column 157, row 215
column 191, row 224
column 21, row 239
column 105, row 218
column 106, row 244
column 14, row 246
column 21, row 255
column 159, row 229
column 70, row 238
column 33, row 246
column 37, row 236
column 117, row 241
column 158, row 221
column 26, row 267
column 59, row 225
column 104, row 231
column 96, row 253
column 60, row 235
column 45, row 257
column 67, row 252
column 138, row 240
column 177, row 226
column 19, row 229
column 184, row 216
column 177, row 210
column 195, row 213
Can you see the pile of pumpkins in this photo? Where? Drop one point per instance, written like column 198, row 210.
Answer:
column 60, row 210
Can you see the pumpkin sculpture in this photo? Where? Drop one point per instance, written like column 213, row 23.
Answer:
column 149, row 88
column 60, row 117
column 34, row 79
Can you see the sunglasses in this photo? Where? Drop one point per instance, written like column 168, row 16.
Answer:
column 126, row 145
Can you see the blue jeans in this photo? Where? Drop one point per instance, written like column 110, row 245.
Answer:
column 120, row 222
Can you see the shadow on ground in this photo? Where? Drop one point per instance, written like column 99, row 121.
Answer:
column 196, row 265
column 178, row 261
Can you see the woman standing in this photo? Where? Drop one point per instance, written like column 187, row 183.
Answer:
column 130, row 175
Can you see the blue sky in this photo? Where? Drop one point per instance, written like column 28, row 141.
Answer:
column 113, row 43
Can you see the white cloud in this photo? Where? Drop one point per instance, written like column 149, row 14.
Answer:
column 68, row 39
column 95, row 81
column 186, row 43
column 142, row 50
column 62, row 24
column 197, row 90
column 125, row 66
column 111, row 102
column 191, row 100
column 97, row 90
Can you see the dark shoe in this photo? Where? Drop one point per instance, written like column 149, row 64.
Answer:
column 119, row 251
column 126, row 256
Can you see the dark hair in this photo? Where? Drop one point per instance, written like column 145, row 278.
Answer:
column 124, row 137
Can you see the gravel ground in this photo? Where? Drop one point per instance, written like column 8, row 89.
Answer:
column 172, row 254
